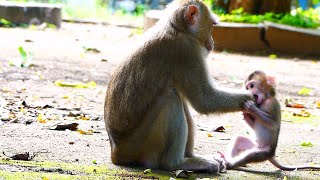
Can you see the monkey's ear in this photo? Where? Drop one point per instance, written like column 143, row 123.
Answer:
column 191, row 14
column 271, row 80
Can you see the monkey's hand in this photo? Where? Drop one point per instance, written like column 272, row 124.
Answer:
column 250, row 107
column 247, row 96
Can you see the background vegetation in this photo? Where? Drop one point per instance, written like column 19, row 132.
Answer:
column 101, row 10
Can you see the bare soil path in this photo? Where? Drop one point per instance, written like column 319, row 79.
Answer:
column 64, row 55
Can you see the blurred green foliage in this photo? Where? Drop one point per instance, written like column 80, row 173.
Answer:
column 98, row 9
column 307, row 19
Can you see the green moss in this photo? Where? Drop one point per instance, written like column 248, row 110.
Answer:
column 56, row 170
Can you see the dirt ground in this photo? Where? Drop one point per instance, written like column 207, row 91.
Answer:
column 60, row 55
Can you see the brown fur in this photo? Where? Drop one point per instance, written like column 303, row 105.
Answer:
column 146, row 112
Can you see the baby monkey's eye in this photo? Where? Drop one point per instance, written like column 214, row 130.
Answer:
column 251, row 86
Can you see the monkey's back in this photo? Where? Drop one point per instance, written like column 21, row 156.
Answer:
column 135, row 86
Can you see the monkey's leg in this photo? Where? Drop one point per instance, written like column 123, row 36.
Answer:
column 252, row 155
column 173, row 157
column 190, row 141
column 240, row 144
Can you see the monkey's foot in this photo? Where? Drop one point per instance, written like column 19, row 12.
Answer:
column 222, row 161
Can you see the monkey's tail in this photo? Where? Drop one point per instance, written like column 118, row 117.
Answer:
column 291, row 168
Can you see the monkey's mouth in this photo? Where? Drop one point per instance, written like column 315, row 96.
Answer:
column 256, row 97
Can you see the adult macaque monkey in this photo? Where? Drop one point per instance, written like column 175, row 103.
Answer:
column 265, row 120
column 146, row 112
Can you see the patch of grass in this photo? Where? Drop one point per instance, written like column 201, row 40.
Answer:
column 38, row 170
column 299, row 18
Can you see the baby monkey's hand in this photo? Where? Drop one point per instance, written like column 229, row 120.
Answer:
column 250, row 107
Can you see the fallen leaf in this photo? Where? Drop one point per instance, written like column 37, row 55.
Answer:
column 285, row 178
column 22, row 157
column 62, row 127
column 209, row 135
column 72, row 143
column 181, row 174
column 28, row 40
column 74, row 113
column 42, row 118
column 290, row 103
column 84, row 118
column 89, row 132
column 305, row 91
column 273, row 56
column 147, row 171
column 94, row 162
column 303, row 113
column 22, row 110
column 90, row 84
column 69, row 108
column 219, row 129
column 26, row 58
column 91, row 50
column 306, row 144
column 318, row 104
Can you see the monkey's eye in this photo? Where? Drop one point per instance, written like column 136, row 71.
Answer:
column 251, row 86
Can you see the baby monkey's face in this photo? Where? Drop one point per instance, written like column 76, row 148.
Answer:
column 255, row 88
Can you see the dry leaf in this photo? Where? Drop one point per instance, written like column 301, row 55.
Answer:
column 90, row 84
column 28, row 40
column 91, row 50
column 42, row 118
column 290, row 103
column 147, row 171
column 303, row 113
column 210, row 135
column 89, row 132
column 84, row 118
column 181, row 174
column 62, row 127
column 219, row 129
column 318, row 104
column 22, row 157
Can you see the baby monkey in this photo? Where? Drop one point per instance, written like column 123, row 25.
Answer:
column 264, row 118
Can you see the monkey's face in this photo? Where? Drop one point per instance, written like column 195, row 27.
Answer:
column 205, row 26
column 255, row 88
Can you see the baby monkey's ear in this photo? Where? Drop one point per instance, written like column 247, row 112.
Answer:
column 271, row 80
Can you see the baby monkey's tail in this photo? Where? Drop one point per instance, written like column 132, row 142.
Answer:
column 291, row 168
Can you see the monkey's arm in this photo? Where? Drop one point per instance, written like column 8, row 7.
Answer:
column 266, row 119
column 191, row 78
column 249, row 119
